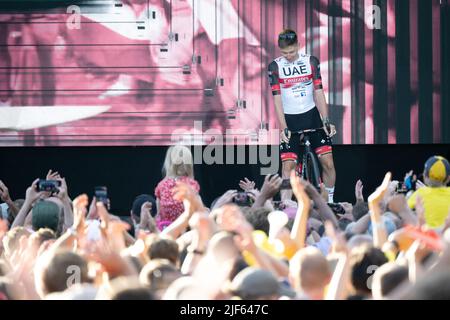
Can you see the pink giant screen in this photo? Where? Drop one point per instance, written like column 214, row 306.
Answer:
column 160, row 65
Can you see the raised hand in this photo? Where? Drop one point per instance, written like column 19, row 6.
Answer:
column 408, row 175
column 63, row 193
column 420, row 184
column 359, row 191
column 298, row 233
column 397, row 204
column 348, row 207
column 253, row 194
column 112, row 228
column 146, row 219
column 247, row 185
column 392, row 188
column 339, row 243
column 104, row 217
column 229, row 217
column 52, row 175
column 271, row 186
column 146, row 208
column 226, row 198
column 4, row 192
column 110, row 260
column 185, row 193
column 79, row 211
column 93, row 214
column 312, row 192
column 376, row 197
column 32, row 194
column 299, row 188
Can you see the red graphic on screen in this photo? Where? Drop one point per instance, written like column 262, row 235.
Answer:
column 161, row 65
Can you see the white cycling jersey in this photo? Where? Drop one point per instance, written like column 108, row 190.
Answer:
column 296, row 82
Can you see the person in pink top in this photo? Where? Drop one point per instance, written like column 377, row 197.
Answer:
column 178, row 166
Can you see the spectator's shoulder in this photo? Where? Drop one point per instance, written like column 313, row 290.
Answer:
column 162, row 184
column 412, row 199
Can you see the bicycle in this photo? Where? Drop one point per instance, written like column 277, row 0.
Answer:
column 310, row 164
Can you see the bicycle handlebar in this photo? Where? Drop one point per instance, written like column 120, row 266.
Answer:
column 306, row 131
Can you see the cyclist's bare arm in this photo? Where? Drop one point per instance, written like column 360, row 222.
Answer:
column 279, row 109
column 321, row 103
column 281, row 119
column 319, row 95
column 274, row 82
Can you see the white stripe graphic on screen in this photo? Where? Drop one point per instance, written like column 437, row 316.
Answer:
column 27, row 118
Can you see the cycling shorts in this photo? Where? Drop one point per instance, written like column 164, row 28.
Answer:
column 321, row 144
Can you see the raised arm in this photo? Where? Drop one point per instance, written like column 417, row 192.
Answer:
column 274, row 81
column 231, row 219
column 323, row 208
column 298, row 233
column 6, row 198
column 31, row 196
column 192, row 203
column 399, row 205
column 337, row 289
column 65, row 199
column 269, row 189
column 203, row 228
column 378, row 227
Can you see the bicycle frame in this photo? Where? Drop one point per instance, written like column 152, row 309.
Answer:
column 313, row 163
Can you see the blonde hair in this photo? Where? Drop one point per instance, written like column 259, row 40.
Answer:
column 178, row 162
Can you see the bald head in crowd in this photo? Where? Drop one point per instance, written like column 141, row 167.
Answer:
column 310, row 273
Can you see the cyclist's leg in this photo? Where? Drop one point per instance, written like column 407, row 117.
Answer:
column 324, row 151
column 288, row 166
column 289, row 153
column 289, row 161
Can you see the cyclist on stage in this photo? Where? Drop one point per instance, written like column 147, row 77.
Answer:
column 300, row 105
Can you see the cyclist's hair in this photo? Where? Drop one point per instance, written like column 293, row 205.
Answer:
column 286, row 38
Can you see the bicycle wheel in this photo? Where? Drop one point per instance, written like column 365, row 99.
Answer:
column 312, row 170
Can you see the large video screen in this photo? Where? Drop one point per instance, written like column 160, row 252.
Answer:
column 139, row 72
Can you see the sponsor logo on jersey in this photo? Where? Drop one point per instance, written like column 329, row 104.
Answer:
column 295, row 70
column 296, row 79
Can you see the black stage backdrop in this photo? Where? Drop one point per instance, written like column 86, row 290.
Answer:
column 130, row 171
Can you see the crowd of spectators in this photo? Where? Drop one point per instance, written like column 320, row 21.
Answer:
column 246, row 245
